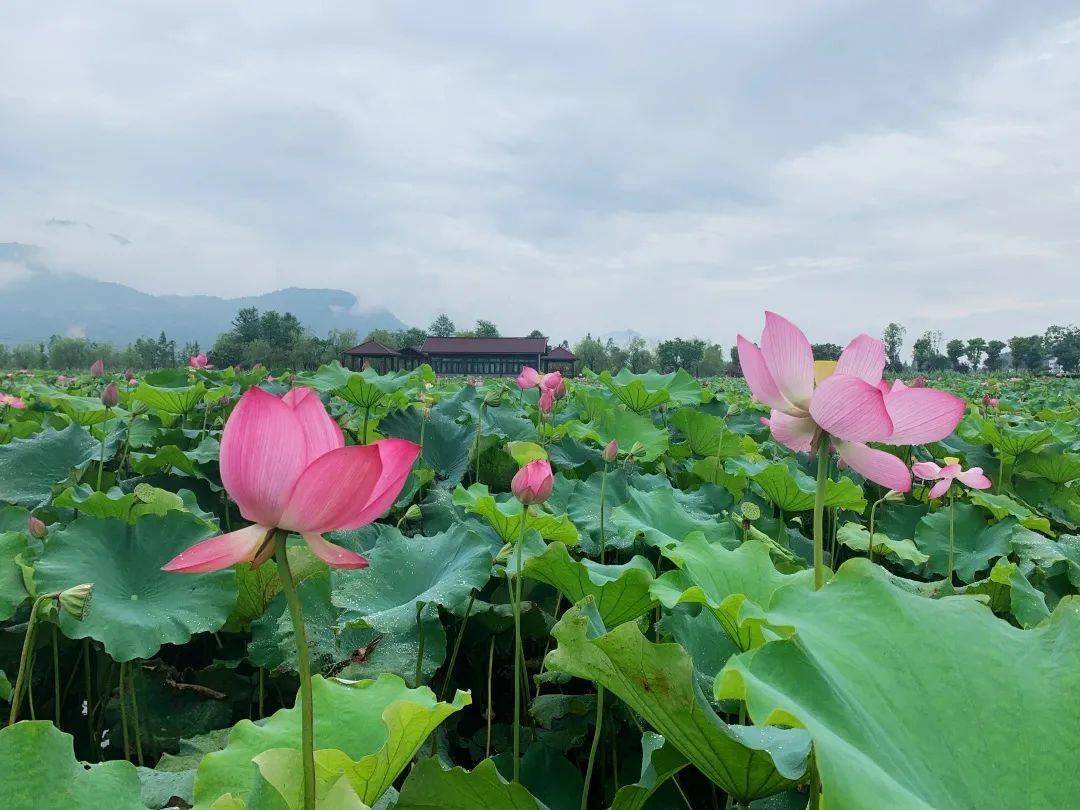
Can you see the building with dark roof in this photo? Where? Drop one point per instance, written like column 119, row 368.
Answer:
column 501, row 356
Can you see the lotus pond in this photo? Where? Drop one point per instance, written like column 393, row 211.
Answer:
column 660, row 587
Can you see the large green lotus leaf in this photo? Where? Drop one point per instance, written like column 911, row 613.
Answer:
column 430, row 786
column 714, row 471
column 657, row 681
column 409, row 571
column 1001, row 505
column 734, row 585
column 1011, row 592
column 178, row 398
column 1054, row 464
column 353, row 652
column 85, row 411
column 279, row 784
column 505, row 516
column 976, row 544
column 707, row 435
column 507, row 422
column 857, row 537
column 129, row 506
column 792, row 490
column 621, row 592
column 580, row 500
column 159, row 788
column 40, row 771
column 136, row 607
column 29, row 467
column 681, row 387
column 705, row 641
column 12, row 585
column 1012, row 441
column 635, row 396
column 659, row 762
column 255, row 590
column 920, row 703
column 174, row 461
column 628, row 428
column 446, row 444
column 380, row 724
column 659, row 520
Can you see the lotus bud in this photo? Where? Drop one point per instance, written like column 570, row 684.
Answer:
column 110, row 395
column 129, row 375
column 611, row 452
column 493, row 398
column 37, row 528
column 533, row 482
column 97, row 368
column 547, row 401
column 893, row 496
column 413, row 512
column 919, row 382
column 528, row 378
column 76, row 601
column 991, row 402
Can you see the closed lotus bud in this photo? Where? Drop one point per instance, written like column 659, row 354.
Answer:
column 533, row 482
column 110, row 395
column 76, row 601
column 611, row 452
column 97, row 368
column 547, row 400
column 36, row 527
column 129, row 375
column 413, row 512
column 893, row 496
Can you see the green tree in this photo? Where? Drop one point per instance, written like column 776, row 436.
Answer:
column 993, row 354
column 29, row 355
column 442, row 326
column 616, row 355
column 893, row 338
column 1028, row 352
column 590, row 353
column 486, row 329
column 536, row 333
column 712, row 362
column 1063, row 344
column 975, row 349
column 677, row 353
column 954, row 350
column 639, row 358
column 826, row 351
column 926, row 350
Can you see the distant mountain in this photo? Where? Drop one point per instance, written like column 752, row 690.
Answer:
column 624, row 337
column 41, row 303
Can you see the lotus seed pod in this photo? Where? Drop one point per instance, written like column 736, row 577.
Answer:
column 76, row 601
column 413, row 512
column 750, row 511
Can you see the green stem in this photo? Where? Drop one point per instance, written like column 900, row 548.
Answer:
column 593, row 747
column 101, row 461
column 517, row 648
column 303, row 660
column 952, row 536
column 603, row 536
column 819, row 511
column 123, row 713
column 135, row 716
column 262, row 692
column 490, row 708
column 870, row 545
column 457, row 645
column 56, row 676
column 476, row 444
column 367, row 413
column 420, row 646
column 25, row 658
column 88, row 687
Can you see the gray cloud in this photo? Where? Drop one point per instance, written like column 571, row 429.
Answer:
column 673, row 170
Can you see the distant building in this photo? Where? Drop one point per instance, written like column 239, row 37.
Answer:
column 501, row 356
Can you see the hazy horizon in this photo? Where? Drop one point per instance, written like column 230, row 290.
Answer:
column 573, row 169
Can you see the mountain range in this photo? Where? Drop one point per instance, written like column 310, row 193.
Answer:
column 38, row 302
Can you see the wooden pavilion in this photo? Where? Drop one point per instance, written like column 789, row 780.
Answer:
column 501, row 356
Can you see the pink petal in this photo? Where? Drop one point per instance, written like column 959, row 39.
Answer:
column 975, row 479
column 321, row 433
column 940, row 488
column 333, row 490
column 332, row 555
column 794, row 432
column 263, row 452
column 950, row 471
column 398, row 457
column 876, row 465
column 926, row 470
column 864, row 358
column 850, row 409
column 921, row 415
column 758, row 377
column 789, row 359
column 219, row 552
column 528, row 378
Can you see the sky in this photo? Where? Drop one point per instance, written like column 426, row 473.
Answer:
column 672, row 168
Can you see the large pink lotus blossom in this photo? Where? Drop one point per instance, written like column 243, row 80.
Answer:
column 848, row 400
column 553, row 382
column 528, row 378
column 12, row 401
column 929, row 471
column 285, row 464
column 533, row 483
column 199, row 361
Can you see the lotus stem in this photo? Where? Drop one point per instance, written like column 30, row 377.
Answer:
column 819, row 511
column 89, row 688
column 420, row 644
column 457, row 645
column 101, row 461
column 262, row 692
column 303, row 659
column 135, row 716
column 56, row 676
column 367, row 413
column 490, row 708
column 517, row 647
column 123, row 713
column 603, row 536
column 25, row 660
column 952, row 539
column 593, row 747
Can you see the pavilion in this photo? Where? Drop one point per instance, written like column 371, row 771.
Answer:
column 501, row 356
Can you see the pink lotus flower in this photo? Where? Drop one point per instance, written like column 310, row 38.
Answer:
column 846, row 399
column 929, row 471
column 110, row 395
column 611, row 452
column 554, row 382
column 991, row 402
column 285, row 463
column 37, row 528
column 12, row 401
column 533, row 482
column 528, row 378
column 547, row 400
column 198, row 361
column 97, row 368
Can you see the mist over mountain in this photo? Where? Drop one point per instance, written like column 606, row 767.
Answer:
column 36, row 303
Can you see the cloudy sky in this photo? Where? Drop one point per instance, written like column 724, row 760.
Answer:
column 674, row 168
